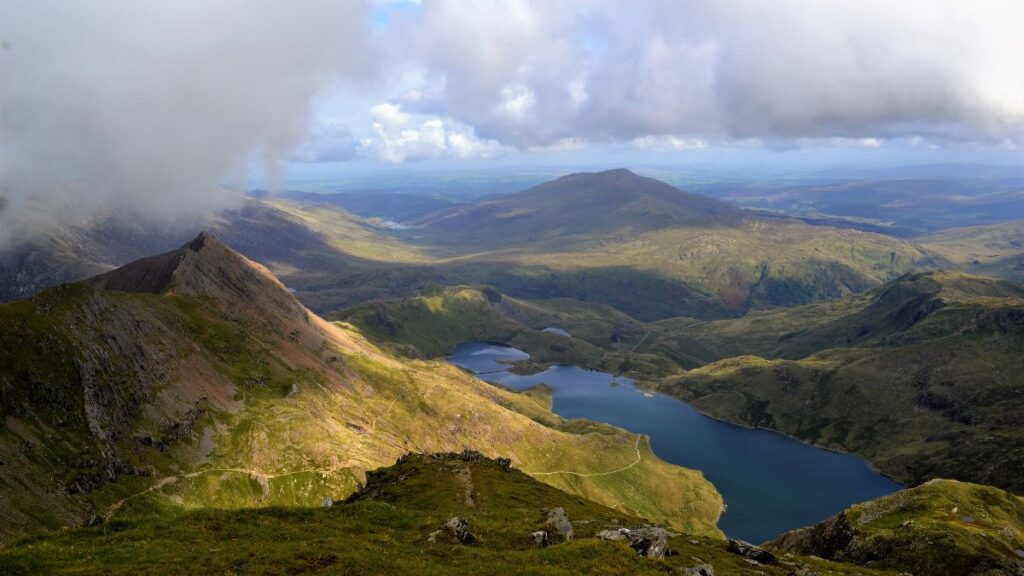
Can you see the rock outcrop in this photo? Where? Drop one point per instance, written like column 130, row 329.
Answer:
column 457, row 528
column 648, row 541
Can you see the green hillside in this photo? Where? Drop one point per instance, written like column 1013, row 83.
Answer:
column 583, row 203
column 922, row 376
column 995, row 250
column 194, row 380
column 386, row 528
column 941, row 528
column 653, row 251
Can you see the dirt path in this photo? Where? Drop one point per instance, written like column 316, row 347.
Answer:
column 251, row 473
column 593, row 474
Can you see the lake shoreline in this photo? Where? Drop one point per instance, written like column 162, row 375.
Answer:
column 770, row 482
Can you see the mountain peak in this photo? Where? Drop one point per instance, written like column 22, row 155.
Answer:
column 202, row 267
column 579, row 203
column 612, row 172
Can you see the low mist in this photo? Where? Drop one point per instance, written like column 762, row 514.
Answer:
column 147, row 107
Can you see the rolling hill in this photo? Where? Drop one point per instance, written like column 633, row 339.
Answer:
column 996, row 250
column 941, row 528
column 582, row 203
column 922, row 376
column 195, row 380
column 611, row 238
column 653, row 251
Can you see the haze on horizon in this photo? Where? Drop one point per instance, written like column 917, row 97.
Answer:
column 158, row 108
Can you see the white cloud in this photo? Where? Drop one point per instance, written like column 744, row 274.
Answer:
column 328, row 143
column 397, row 138
column 147, row 106
column 668, row 143
column 528, row 73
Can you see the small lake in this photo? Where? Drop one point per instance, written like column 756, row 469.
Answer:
column 770, row 483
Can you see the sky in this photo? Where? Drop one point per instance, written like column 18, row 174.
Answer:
column 157, row 107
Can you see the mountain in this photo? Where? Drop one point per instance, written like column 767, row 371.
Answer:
column 583, row 203
column 653, row 251
column 330, row 257
column 922, row 376
column 194, row 379
column 385, row 204
column 941, row 528
column 905, row 205
column 610, row 238
column 995, row 250
column 398, row 524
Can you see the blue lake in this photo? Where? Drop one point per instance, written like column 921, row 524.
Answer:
column 770, row 483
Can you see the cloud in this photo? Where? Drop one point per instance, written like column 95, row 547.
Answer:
column 528, row 73
column 148, row 106
column 328, row 143
column 396, row 138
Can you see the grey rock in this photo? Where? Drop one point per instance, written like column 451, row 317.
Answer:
column 616, row 534
column 557, row 521
column 505, row 463
column 458, row 528
column 328, row 502
column 803, row 572
column 648, row 541
column 700, row 570
column 540, row 538
column 751, row 552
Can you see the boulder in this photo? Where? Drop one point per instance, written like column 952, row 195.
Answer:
column 458, row 528
column 700, row 570
column 540, row 538
column 648, row 541
column 616, row 534
column 751, row 552
column 557, row 522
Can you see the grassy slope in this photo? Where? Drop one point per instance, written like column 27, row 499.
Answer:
column 922, row 377
column 204, row 403
column 941, row 528
column 383, row 529
column 700, row 271
column 996, row 250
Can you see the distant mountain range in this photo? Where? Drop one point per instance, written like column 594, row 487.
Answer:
column 614, row 238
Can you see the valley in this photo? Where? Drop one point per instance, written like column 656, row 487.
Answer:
column 196, row 379
column 389, row 287
column 795, row 484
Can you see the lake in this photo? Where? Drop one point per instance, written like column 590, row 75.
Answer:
column 770, row 483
